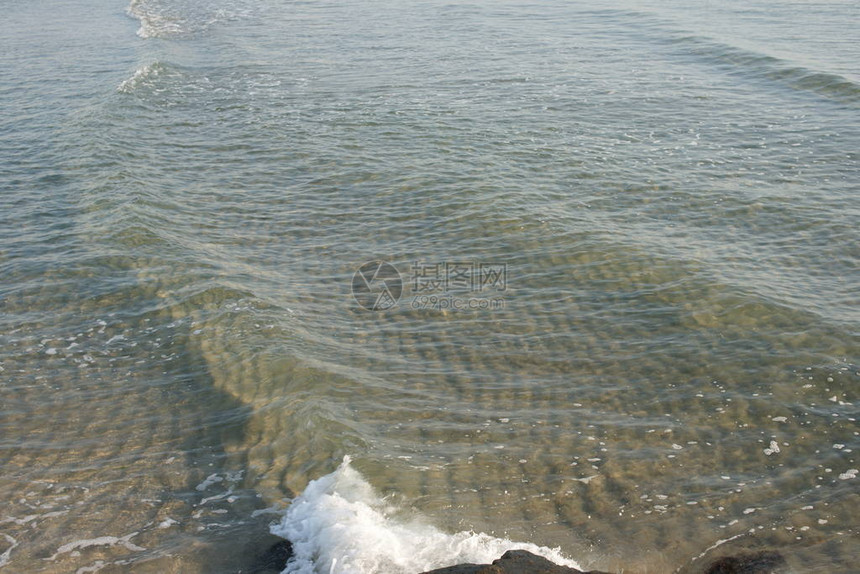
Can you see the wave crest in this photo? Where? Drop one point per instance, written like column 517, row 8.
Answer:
column 142, row 76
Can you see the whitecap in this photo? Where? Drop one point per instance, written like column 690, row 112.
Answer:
column 154, row 22
column 160, row 19
column 141, row 76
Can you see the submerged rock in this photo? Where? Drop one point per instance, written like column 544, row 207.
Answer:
column 756, row 563
column 274, row 559
column 513, row 562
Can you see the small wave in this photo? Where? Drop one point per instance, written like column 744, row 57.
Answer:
column 142, row 76
column 340, row 525
column 798, row 77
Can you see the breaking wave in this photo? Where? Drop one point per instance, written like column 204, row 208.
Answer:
column 341, row 525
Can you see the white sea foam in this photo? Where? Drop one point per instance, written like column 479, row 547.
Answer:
column 339, row 525
column 100, row 541
column 210, row 480
column 4, row 557
column 167, row 523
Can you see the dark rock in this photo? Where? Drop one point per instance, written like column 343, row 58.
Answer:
column 512, row 562
column 274, row 559
column 757, row 563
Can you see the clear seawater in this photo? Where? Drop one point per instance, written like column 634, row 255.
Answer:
column 646, row 213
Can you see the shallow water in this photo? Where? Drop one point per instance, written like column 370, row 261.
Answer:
column 647, row 214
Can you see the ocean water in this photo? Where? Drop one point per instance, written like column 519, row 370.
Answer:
column 582, row 277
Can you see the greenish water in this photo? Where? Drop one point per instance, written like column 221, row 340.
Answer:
column 669, row 369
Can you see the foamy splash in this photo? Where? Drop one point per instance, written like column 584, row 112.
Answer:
column 340, row 525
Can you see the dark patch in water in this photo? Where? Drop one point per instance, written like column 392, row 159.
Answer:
column 757, row 563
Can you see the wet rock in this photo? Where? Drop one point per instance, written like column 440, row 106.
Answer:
column 512, row 562
column 524, row 562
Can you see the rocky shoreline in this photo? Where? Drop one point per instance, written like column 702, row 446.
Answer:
column 524, row 562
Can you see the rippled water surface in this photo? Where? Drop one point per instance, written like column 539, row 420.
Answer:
column 627, row 249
